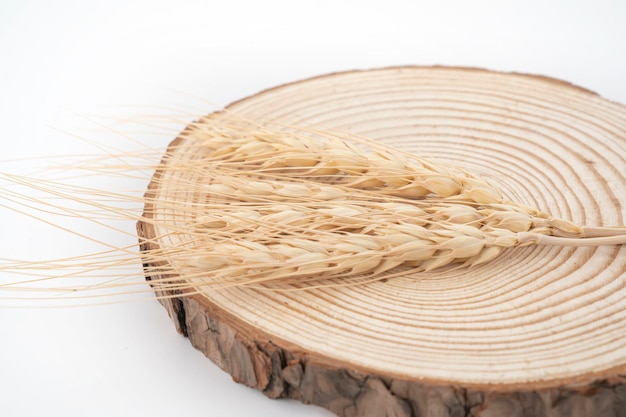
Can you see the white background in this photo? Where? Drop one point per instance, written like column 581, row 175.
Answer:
column 63, row 61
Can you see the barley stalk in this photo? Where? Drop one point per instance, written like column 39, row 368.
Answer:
column 321, row 157
column 291, row 241
column 237, row 206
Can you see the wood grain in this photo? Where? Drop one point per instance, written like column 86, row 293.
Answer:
column 538, row 332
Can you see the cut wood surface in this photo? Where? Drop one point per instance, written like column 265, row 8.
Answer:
column 538, row 331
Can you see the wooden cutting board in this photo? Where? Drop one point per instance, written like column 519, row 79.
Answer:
column 539, row 331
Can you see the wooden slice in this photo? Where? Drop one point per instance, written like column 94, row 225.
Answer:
column 539, row 331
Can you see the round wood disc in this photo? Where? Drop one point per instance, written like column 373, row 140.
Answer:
column 539, row 331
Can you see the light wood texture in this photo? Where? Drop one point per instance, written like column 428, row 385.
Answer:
column 540, row 331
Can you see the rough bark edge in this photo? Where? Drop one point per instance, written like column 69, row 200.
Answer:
column 283, row 371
